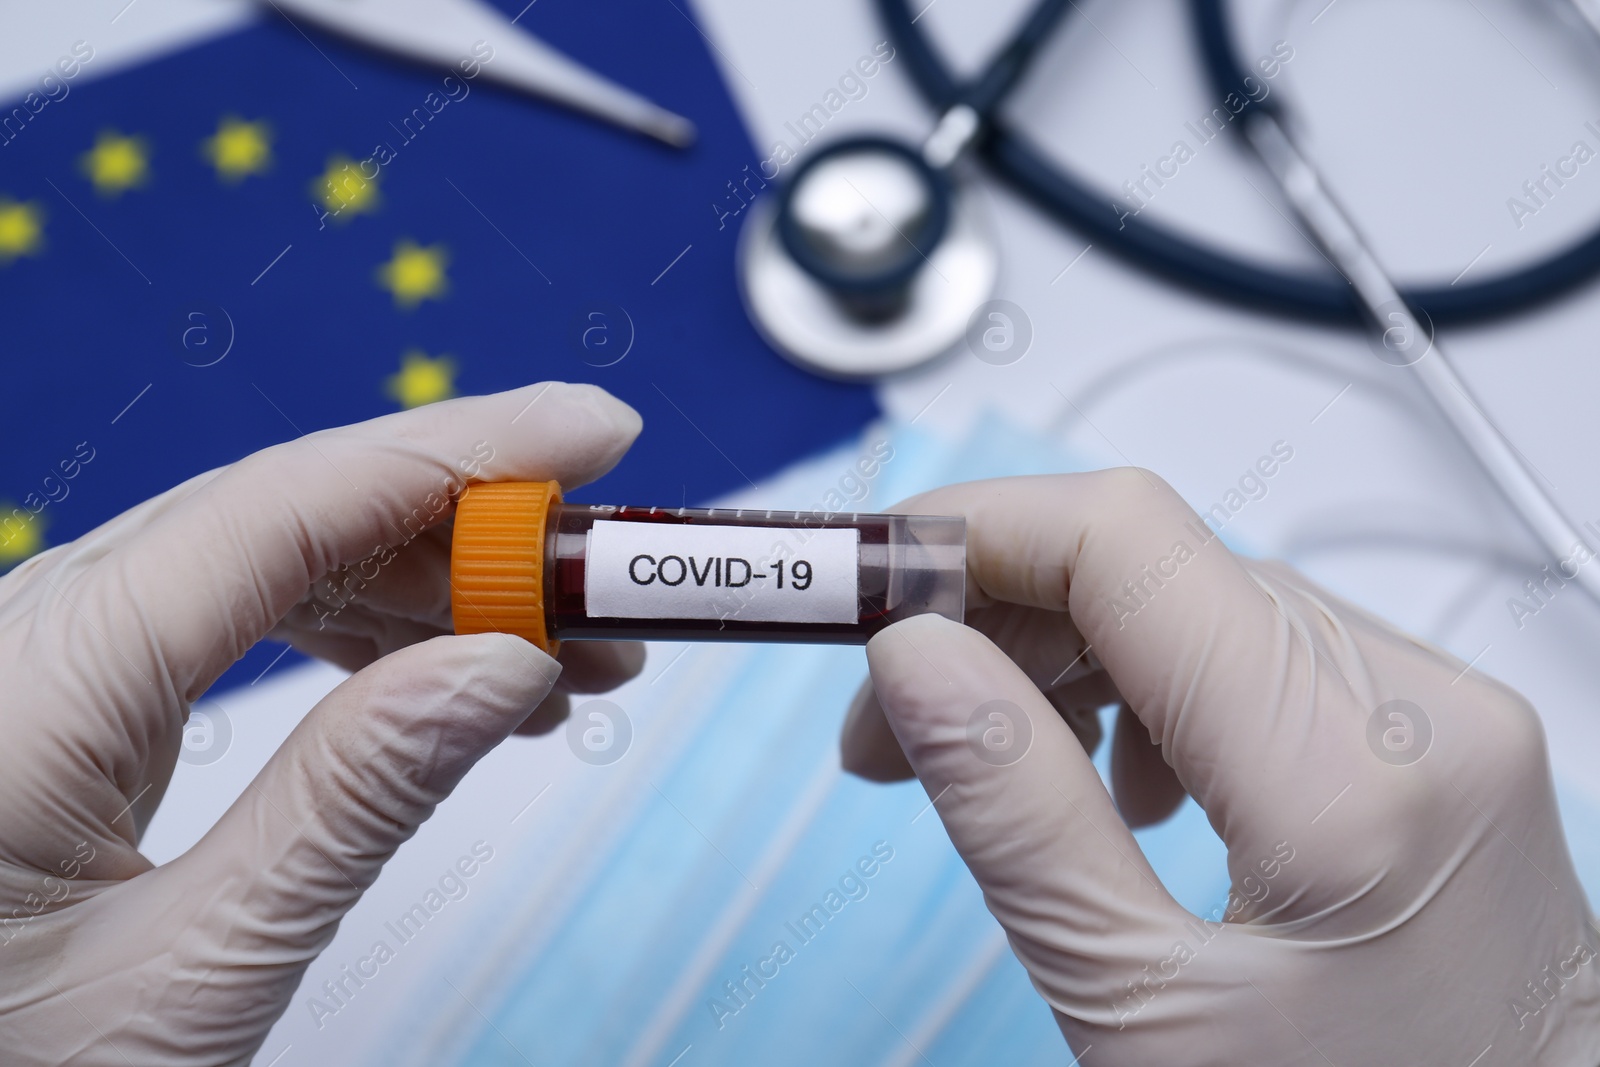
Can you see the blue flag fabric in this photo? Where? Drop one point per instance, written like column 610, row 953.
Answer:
column 278, row 231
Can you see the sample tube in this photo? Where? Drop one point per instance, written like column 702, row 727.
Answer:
column 524, row 562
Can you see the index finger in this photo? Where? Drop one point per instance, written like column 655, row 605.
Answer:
column 1202, row 653
column 212, row 575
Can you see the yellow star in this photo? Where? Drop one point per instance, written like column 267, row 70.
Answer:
column 20, row 534
column 344, row 191
column 116, row 163
column 422, row 380
column 21, row 229
column 239, row 149
column 415, row 273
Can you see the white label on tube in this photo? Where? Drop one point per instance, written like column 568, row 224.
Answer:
column 666, row 570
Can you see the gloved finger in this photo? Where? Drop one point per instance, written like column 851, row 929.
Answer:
column 869, row 749
column 347, row 651
column 265, row 888
column 1147, row 790
column 867, row 745
column 99, row 541
column 412, row 583
column 1079, row 706
column 1044, row 644
column 215, row 573
column 1195, row 645
column 598, row 666
column 586, row 667
column 551, row 712
column 387, row 633
column 356, row 635
column 1026, row 810
column 1048, row 648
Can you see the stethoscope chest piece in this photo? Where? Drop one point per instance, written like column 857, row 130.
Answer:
column 868, row 261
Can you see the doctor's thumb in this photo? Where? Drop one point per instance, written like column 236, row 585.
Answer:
column 353, row 781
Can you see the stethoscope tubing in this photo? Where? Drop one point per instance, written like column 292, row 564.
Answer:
column 1165, row 252
column 1360, row 295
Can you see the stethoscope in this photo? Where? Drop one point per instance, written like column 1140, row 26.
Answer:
column 870, row 260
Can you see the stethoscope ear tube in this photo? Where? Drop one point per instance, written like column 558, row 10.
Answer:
column 1228, row 76
column 1177, row 258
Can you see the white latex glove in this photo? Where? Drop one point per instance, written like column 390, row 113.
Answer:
column 1397, row 899
column 105, row 643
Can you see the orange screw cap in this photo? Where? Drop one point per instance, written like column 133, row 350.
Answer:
column 497, row 560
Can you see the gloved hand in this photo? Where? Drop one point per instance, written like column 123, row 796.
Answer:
column 106, row 641
column 1402, row 892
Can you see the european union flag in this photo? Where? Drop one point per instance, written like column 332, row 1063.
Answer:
column 277, row 231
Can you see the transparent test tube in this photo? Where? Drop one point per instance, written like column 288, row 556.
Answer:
column 524, row 562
